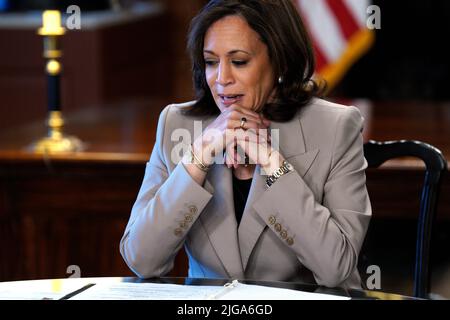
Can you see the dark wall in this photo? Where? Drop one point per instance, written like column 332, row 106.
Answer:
column 410, row 59
column 25, row 5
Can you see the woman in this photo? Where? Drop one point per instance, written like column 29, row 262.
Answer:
column 294, row 207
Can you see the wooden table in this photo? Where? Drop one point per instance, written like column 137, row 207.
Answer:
column 71, row 209
column 64, row 289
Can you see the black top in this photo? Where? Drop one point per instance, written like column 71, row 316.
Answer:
column 240, row 194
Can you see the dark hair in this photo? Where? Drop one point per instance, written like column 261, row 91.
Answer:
column 280, row 27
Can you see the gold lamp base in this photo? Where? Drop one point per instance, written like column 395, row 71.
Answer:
column 58, row 145
column 56, row 141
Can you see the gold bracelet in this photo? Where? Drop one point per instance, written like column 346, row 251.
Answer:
column 196, row 161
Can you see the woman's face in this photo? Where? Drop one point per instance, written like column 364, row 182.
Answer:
column 237, row 66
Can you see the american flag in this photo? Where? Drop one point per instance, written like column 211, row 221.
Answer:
column 339, row 34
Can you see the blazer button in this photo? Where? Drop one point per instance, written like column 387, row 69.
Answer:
column 178, row 232
column 272, row 220
column 290, row 241
column 283, row 234
column 278, row 227
column 193, row 209
column 188, row 218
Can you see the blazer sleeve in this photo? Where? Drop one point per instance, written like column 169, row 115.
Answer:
column 167, row 205
column 327, row 236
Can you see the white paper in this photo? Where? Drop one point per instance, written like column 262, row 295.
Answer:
column 157, row 291
column 146, row 291
column 255, row 292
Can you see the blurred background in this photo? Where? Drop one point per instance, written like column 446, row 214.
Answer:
column 128, row 61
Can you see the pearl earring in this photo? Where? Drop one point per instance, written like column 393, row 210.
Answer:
column 280, row 80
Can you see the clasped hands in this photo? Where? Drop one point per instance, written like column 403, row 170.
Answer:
column 244, row 136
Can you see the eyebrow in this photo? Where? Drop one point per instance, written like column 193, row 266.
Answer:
column 229, row 53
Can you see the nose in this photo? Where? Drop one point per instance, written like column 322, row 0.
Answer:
column 224, row 75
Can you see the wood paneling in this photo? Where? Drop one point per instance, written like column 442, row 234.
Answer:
column 181, row 13
column 72, row 210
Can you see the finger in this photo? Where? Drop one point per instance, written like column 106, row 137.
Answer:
column 237, row 112
column 266, row 121
column 228, row 156
column 250, row 134
column 257, row 152
column 249, row 124
column 239, row 158
column 225, row 159
column 235, row 158
column 240, row 155
column 249, row 151
column 238, row 116
column 246, row 135
column 248, row 139
column 244, row 110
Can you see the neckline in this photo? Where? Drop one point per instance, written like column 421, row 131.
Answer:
column 242, row 180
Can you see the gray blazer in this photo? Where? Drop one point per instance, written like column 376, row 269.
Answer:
column 310, row 221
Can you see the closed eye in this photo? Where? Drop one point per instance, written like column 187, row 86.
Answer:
column 210, row 62
column 239, row 62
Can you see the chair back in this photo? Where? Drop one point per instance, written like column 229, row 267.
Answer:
column 376, row 153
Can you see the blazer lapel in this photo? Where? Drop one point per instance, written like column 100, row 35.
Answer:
column 302, row 162
column 288, row 138
column 292, row 145
column 220, row 220
column 251, row 225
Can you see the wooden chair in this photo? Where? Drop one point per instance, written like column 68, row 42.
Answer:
column 376, row 153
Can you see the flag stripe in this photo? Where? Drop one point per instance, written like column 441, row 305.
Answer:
column 359, row 10
column 347, row 22
column 360, row 42
column 323, row 28
column 338, row 32
column 321, row 62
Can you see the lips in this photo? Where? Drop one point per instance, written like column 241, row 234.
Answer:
column 229, row 99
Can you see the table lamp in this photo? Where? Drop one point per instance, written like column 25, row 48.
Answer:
column 55, row 141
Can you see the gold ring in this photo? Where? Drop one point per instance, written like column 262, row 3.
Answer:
column 243, row 121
